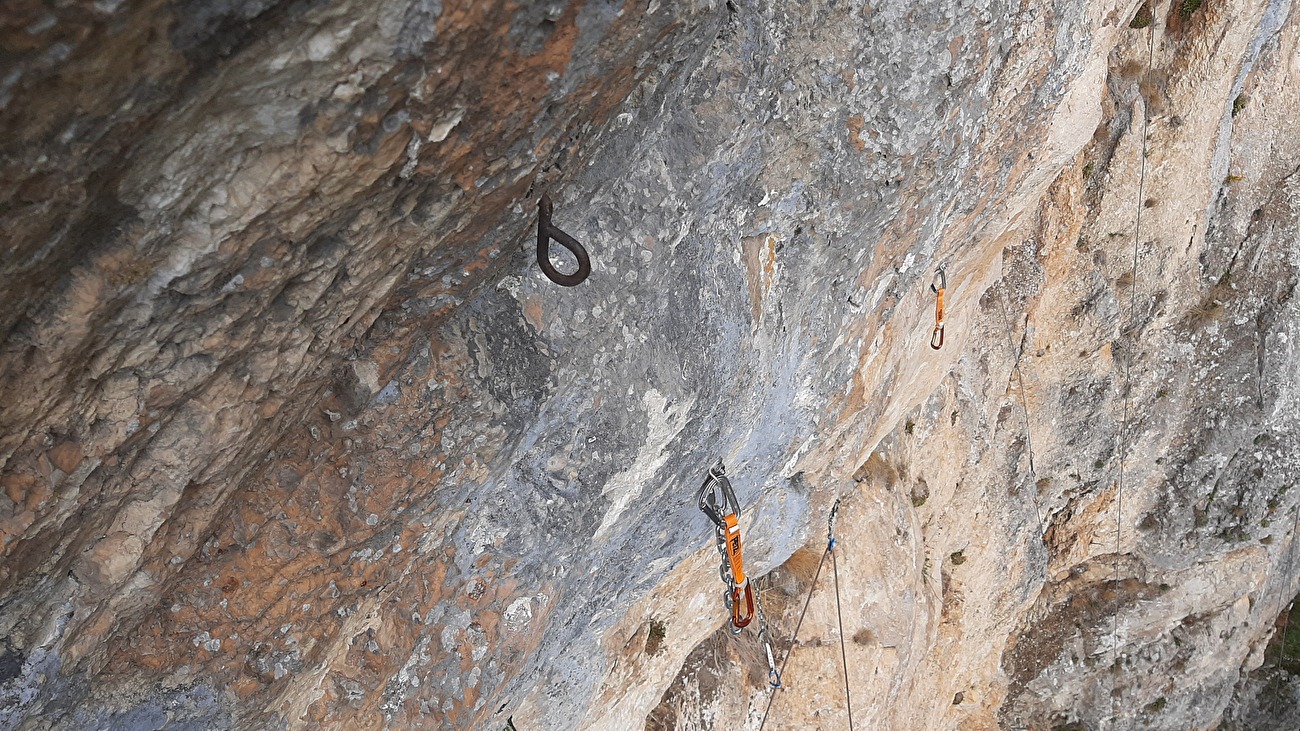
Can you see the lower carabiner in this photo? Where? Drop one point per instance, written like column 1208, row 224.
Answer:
column 742, row 605
column 936, row 337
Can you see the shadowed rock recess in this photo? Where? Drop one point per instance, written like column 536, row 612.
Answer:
column 294, row 434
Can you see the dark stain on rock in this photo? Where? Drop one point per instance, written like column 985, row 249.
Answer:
column 105, row 221
column 1081, row 611
column 207, row 31
column 11, row 662
column 515, row 370
column 531, row 26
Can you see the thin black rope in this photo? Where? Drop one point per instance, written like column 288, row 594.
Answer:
column 1024, row 409
column 848, row 702
column 1128, row 376
column 794, row 639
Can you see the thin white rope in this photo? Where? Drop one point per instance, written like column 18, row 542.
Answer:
column 1128, row 380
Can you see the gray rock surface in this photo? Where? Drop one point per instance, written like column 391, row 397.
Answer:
column 298, row 436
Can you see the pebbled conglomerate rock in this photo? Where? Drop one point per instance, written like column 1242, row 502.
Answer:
column 296, row 435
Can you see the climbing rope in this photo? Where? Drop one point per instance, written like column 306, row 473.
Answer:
column 938, row 286
column 718, row 501
column 794, row 639
column 839, row 619
column 1128, row 380
column 1024, row 410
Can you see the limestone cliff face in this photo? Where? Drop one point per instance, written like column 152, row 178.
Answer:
column 296, row 435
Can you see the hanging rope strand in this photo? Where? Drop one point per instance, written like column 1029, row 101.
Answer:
column 1024, row 410
column 848, row 702
column 1128, row 377
column 793, row 639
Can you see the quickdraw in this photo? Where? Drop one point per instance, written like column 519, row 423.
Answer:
column 938, row 286
column 546, row 232
column 718, row 501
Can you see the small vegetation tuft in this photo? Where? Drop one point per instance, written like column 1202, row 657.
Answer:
column 1239, row 104
column 802, row 567
column 654, row 641
column 1156, row 705
column 1203, row 313
column 920, row 492
column 1142, row 19
column 1189, row 7
column 877, row 470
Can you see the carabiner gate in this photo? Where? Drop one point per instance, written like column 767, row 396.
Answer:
column 940, row 282
column 716, row 498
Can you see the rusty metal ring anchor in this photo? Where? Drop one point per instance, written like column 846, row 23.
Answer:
column 546, row 232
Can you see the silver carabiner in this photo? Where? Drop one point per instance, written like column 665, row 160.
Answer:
column 773, row 675
column 716, row 498
column 940, row 280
